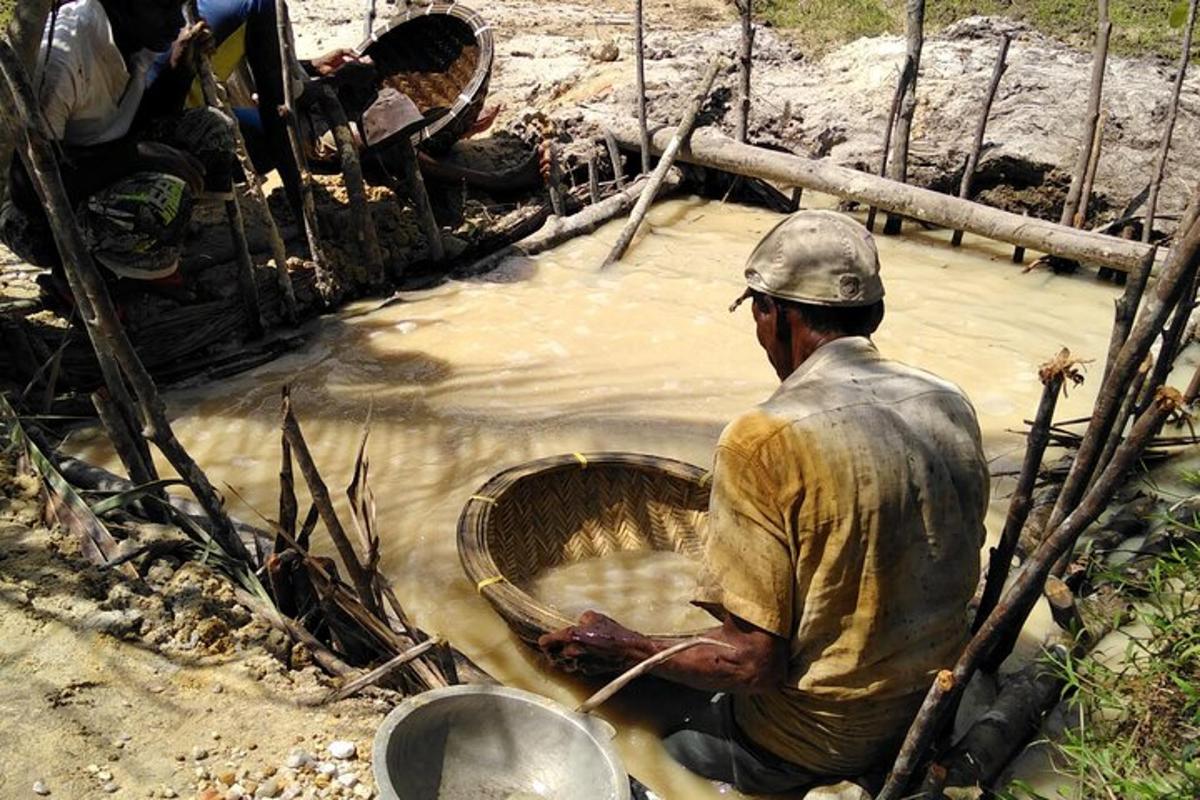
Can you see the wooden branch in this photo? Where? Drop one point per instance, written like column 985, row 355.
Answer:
column 709, row 149
column 25, row 30
column 359, row 576
column 914, row 749
column 321, row 654
column 356, row 186
column 369, row 20
column 381, row 672
column 614, row 155
column 327, row 284
column 898, row 169
column 745, row 62
column 1091, row 117
column 112, row 345
column 557, row 230
column 964, row 187
column 906, row 74
column 1089, row 180
column 677, row 141
column 127, row 442
column 641, row 668
column 639, row 47
column 1127, row 307
column 1164, row 149
column 1053, row 375
column 593, row 179
column 554, row 179
column 1063, row 609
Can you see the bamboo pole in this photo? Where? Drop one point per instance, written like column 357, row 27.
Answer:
column 898, row 169
column 964, row 187
column 1053, row 375
column 356, row 186
column 745, row 62
column 906, row 73
column 1126, row 307
column 1164, row 149
column 682, row 134
column 1089, row 180
column 214, row 99
column 326, row 281
column 557, row 230
column 1026, row 588
column 709, row 149
column 1091, row 118
column 112, row 345
column 639, row 46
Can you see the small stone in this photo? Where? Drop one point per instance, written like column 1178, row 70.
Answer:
column 268, row 788
column 322, row 780
column 216, row 735
column 349, row 780
column 181, row 756
column 109, row 788
column 342, row 749
column 104, row 776
column 201, row 773
column 605, row 51
column 363, row 791
column 327, row 768
column 199, row 753
column 249, row 788
column 168, row 792
column 297, row 759
column 40, row 788
column 227, row 777
column 217, row 688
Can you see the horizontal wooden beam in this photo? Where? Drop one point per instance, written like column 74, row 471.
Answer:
column 709, row 148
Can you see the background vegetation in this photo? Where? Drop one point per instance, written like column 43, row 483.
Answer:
column 1140, row 27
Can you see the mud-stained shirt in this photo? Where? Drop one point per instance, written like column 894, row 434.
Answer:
column 847, row 516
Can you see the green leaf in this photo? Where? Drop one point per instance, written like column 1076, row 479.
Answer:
column 130, row 496
column 1179, row 14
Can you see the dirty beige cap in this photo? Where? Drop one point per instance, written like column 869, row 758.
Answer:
column 818, row 257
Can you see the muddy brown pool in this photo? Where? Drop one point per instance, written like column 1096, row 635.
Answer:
column 551, row 356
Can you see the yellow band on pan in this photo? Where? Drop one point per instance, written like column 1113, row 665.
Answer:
column 486, row 582
column 582, row 459
column 482, row 499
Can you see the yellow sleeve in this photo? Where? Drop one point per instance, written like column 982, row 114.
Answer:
column 749, row 565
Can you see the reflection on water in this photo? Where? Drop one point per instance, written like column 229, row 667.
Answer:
column 553, row 357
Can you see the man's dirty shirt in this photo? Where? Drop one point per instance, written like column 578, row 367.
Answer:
column 847, row 516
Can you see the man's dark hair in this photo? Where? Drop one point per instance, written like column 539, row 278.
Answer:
column 847, row 321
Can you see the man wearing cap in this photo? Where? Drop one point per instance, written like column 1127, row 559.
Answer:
column 843, row 539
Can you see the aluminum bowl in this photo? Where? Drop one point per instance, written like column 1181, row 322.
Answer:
column 494, row 743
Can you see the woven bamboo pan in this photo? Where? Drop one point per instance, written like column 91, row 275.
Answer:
column 564, row 509
column 440, row 55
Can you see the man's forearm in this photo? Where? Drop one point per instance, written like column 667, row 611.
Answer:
column 710, row 667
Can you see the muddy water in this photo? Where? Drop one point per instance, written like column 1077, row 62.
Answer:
column 549, row 357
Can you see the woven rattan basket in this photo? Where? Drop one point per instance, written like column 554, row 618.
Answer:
column 440, row 55
column 564, row 509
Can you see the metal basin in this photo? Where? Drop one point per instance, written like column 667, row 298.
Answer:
column 494, row 743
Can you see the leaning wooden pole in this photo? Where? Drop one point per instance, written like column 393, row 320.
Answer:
column 708, row 148
column 1164, row 149
column 1091, row 118
column 24, row 23
column 682, row 134
column 745, row 62
column 1089, row 177
column 639, row 47
column 968, row 178
column 326, row 282
column 96, row 307
column 898, row 170
column 906, row 72
column 1126, row 307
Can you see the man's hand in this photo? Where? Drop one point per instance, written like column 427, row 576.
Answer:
column 597, row 645
column 157, row 157
column 334, row 60
column 193, row 40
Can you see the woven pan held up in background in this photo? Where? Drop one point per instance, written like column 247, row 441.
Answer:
column 565, row 509
column 440, row 56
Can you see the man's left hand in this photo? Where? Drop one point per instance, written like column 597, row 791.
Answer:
column 194, row 40
column 596, row 645
column 334, row 60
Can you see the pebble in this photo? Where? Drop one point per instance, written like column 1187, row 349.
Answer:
column 342, row 749
column 199, row 753
column 217, row 688
column 104, row 776
column 93, row 768
column 227, row 777
column 363, row 791
column 109, row 788
column 297, row 759
column 269, row 788
column 327, row 768
column 168, row 793
column 348, row 780
column 40, row 788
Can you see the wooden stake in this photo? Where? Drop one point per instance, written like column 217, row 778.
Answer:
column 681, row 135
column 356, row 186
column 745, row 62
column 614, row 155
column 906, row 74
column 913, row 751
column 1085, row 196
column 593, row 179
column 710, row 149
column 25, row 30
column 964, row 188
column 898, row 169
column 327, row 284
column 113, row 348
column 554, row 179
column 1160, row 162
column 1053, row 375
column 1126, row 308
column 639, row 47
column 797, row 196
column 369, row 20
column 379, row 673
column 415, row 184
column 1063, row 608
column 1091, row 117
column 126, row 441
